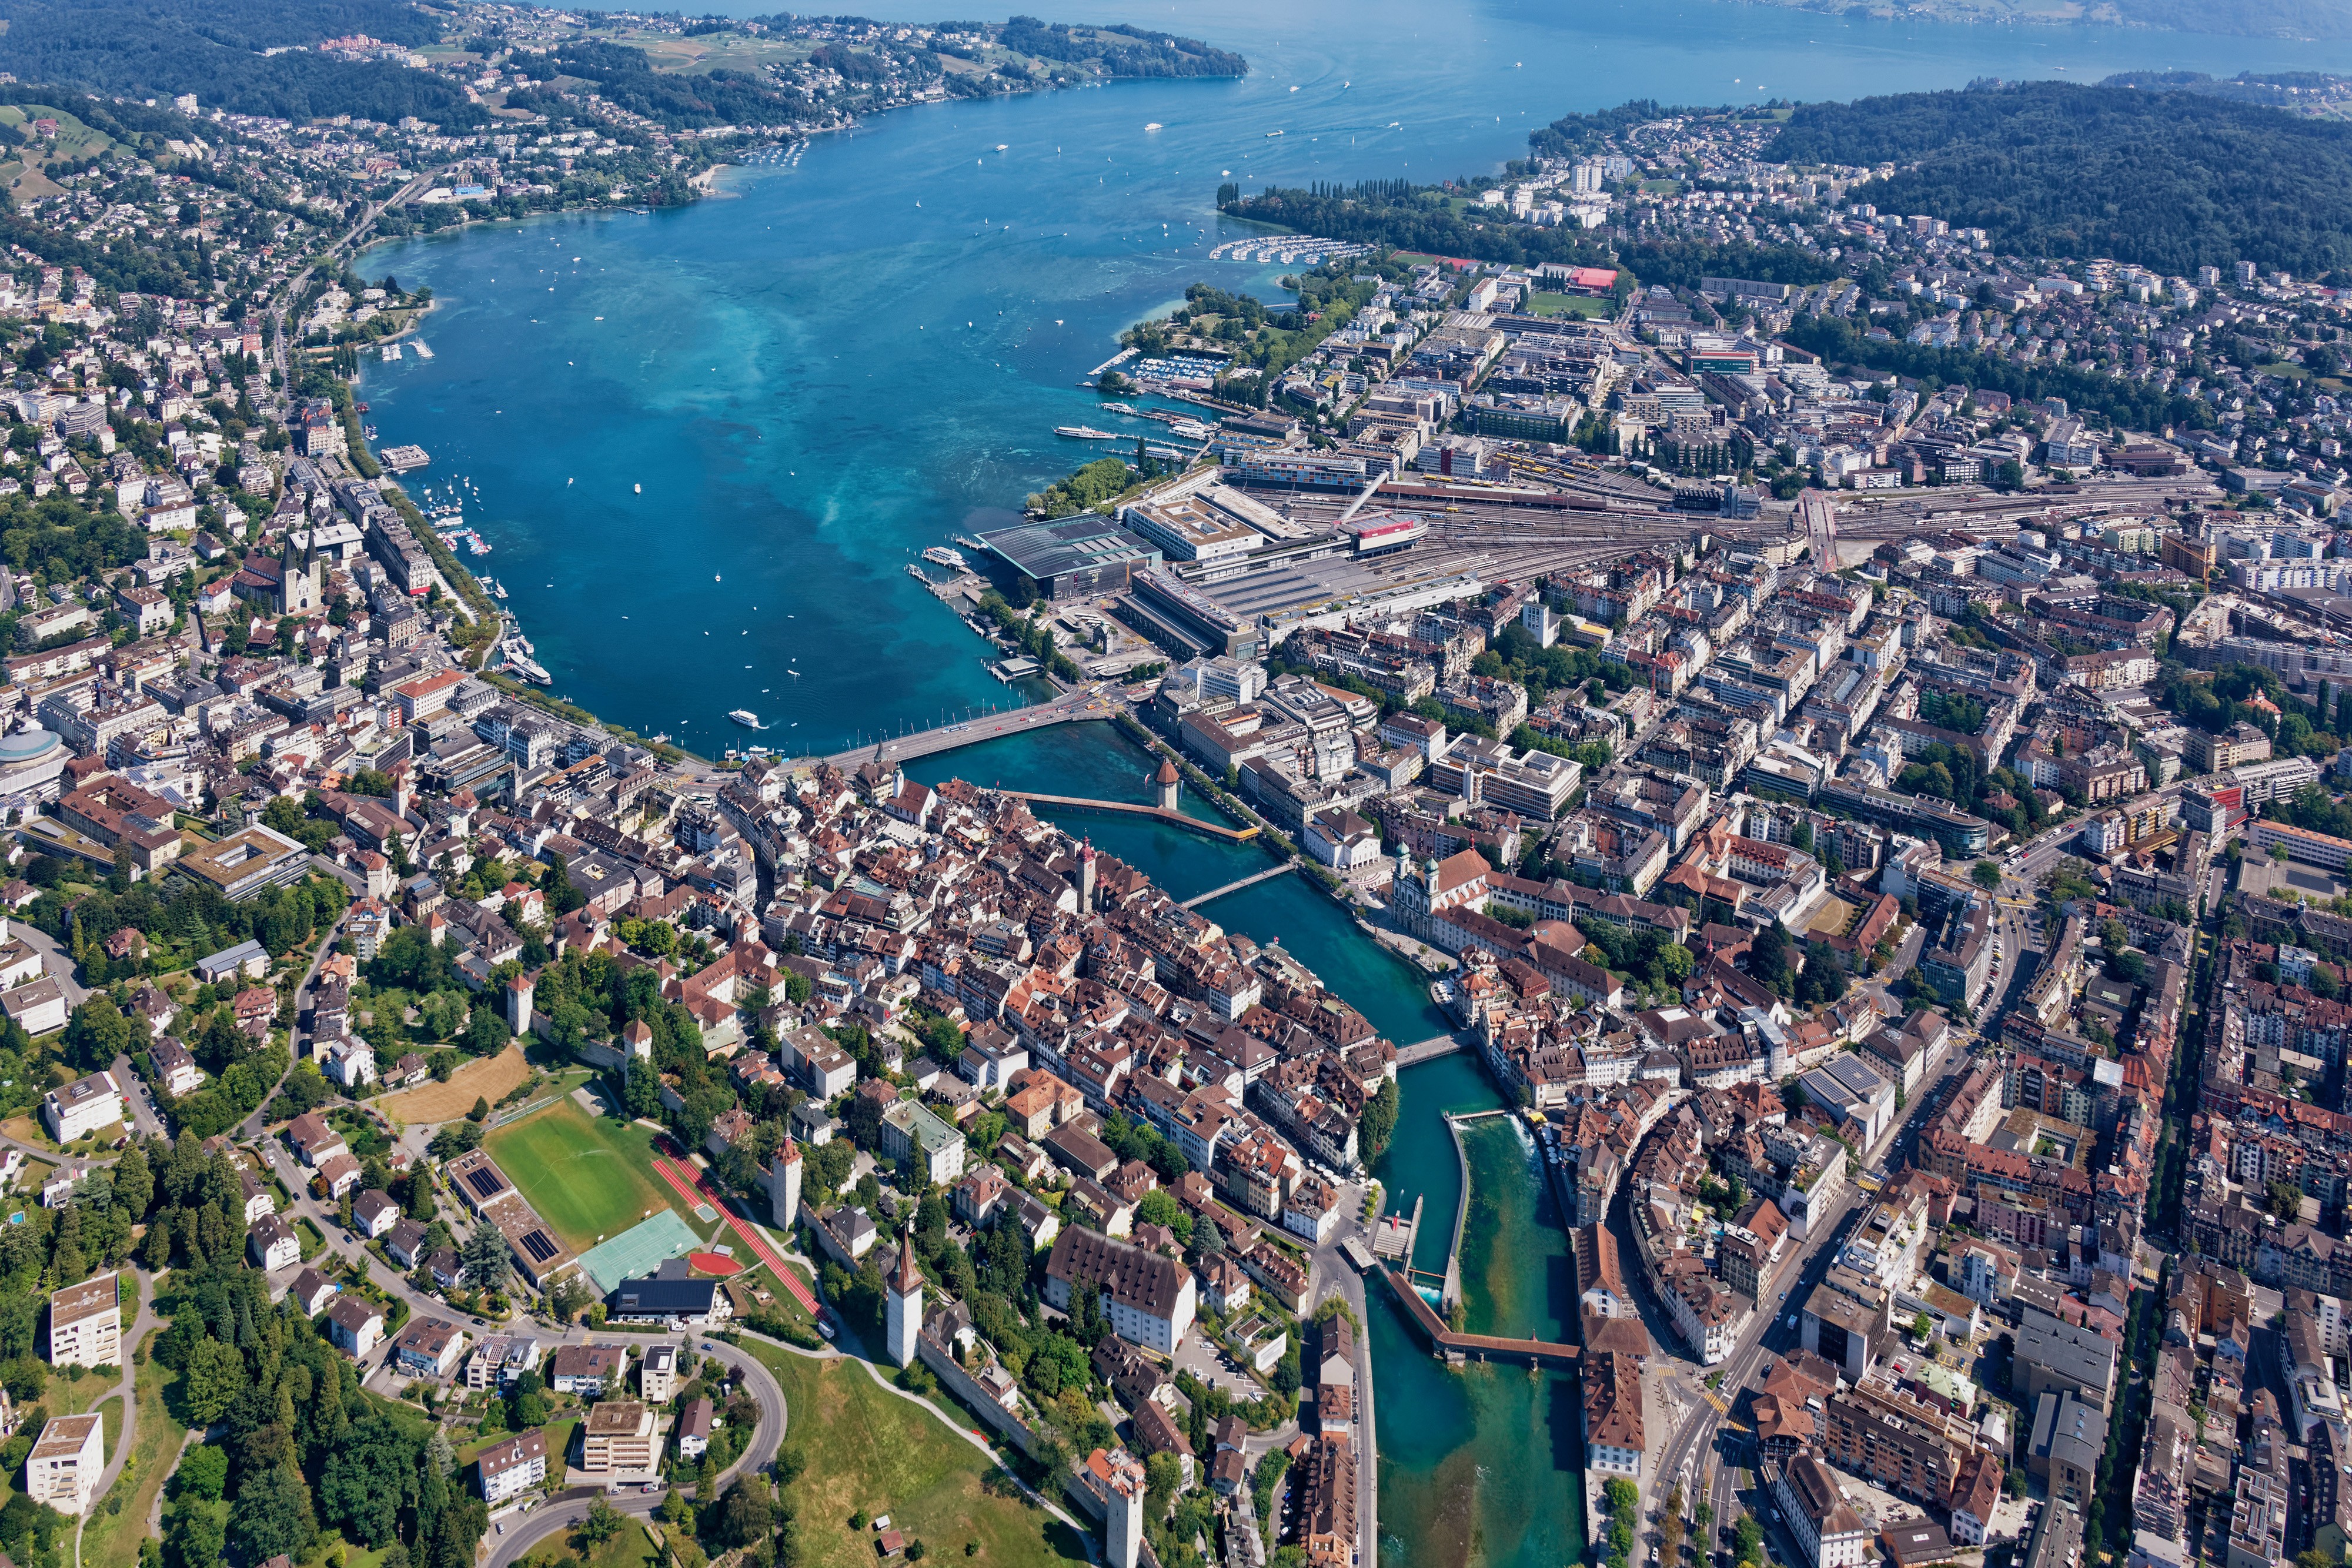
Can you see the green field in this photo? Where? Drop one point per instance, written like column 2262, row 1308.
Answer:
column 590, row 1178
column 1543, row 304
column 870, row 1451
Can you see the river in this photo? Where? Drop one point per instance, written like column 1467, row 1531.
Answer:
column 1477, row 1464
column 706, row 442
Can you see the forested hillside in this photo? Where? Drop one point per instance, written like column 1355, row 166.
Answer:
column 626, row 77
column 2172, row 181
column 213, row 48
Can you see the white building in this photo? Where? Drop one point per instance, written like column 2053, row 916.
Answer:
column 1824, row 1523
column 86, row 1324
column 82, row 1107
column 349, row 1062
column 1148, row 1298
column 274, row 1244
column 65, row 1465
column 513, row 1466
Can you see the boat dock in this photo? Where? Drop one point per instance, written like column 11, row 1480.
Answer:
column 1112, row 363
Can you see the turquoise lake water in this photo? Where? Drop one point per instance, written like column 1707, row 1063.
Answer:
column 706, row 442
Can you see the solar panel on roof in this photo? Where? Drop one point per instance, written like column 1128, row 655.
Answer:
column 485, row 1184
column 540, row 1248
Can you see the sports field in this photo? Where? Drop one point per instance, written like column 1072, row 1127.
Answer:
column 590, row 1178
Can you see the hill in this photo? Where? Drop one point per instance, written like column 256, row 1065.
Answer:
column 2171, row 180
column 216, row 50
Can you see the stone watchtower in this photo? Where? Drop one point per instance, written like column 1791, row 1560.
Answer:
column 1167, row 784
column 903, row 1318
column 785, row 1187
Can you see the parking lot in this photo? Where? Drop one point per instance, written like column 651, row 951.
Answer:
column 1214, row 1366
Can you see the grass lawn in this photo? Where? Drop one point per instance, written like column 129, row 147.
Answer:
column 633, row 1547
column 27, row 1129
column 869, row 1450
column 1585, row 305
column 559, row 1443
column 590, row 1178
column 111, row 1540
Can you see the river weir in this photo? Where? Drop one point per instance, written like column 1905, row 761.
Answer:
column 1480, row 1463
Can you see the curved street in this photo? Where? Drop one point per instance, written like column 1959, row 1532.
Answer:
column 514, row 1534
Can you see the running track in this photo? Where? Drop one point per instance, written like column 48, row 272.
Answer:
column 696, row 1188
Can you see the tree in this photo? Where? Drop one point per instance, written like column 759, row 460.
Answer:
column 1768, row 957
column 529, row 1401
column 745, row 1514
column 192, row 1536
column 213, row 1380
column 202, row 1472
column 2285, row 1199
column 1378, row 1124
column 99, row 1033
column 273, row 1515
column 1986, row 875
column 486, row 1030
column 604, row 1521
column 488, row 1262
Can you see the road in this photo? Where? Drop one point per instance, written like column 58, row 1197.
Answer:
column 251, row 1127
column 518, row 1534
column 1084, row 702
column 1693, row 1451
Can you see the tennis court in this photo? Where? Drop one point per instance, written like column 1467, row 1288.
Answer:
column 637, row 1251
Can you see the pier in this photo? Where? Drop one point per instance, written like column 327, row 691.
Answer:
column 1454, row 1125
column 1158, row 813
column 1285, row 868
column 1457, row 1348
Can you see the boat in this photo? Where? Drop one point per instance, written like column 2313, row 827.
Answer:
column 917, row 573
column 1153, row 126
column 1272, row 134
column 422, row 351
column 939, row 555
column 1003, row 146
column 745, row 717
column 1126, row 408
column 1084, row 433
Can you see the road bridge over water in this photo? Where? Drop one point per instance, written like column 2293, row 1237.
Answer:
column 1069, row 709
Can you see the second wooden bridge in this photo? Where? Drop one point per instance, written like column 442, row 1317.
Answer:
column 1132, row 809
column 1460, row 1347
